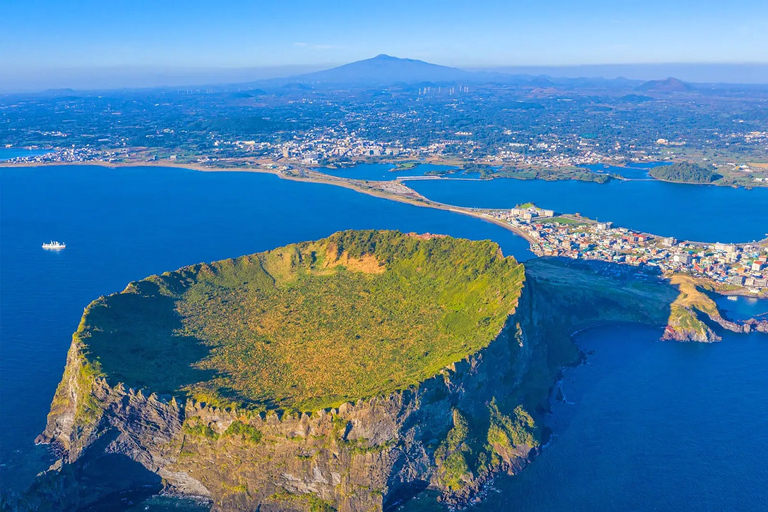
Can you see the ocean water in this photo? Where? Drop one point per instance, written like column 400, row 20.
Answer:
column 649, row 425
column 704, row 213
column 381, row 172
column 743, row 308
column 125, row 224
column 635, row 171
column 646, row 425
column 8, row 153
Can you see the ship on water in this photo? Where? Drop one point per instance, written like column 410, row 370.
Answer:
column 54, row 246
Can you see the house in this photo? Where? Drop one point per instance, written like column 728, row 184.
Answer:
column 668, row 241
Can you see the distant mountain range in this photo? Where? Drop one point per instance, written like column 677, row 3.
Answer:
column 385, row 70
column 388, row 70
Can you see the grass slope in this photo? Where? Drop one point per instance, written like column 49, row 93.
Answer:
column 306, row 326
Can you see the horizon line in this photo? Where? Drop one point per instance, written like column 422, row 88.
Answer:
column 197, row 75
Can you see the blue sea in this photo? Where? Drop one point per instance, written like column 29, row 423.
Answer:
column 649, row 425
column 645, row 426
column 634, row 171
column 704, row 213
column 124, row 224
column 8, row 153
column 742, row 308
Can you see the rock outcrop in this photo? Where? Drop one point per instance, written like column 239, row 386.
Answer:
column 367, row 455
column 451, row 432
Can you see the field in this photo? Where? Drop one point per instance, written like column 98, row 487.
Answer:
column 307, row 326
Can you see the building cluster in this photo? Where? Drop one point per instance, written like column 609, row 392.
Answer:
column 331, row 145
column 572, row 236
column 351, row 148
column 73, row 154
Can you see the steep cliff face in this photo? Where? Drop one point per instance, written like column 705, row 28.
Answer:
column 449, row 433
column 232, row 381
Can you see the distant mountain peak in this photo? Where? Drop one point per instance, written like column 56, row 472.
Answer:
column 670, row 84
column 386, row 69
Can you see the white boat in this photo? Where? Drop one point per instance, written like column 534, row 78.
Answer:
column 54, row 246
column 731, row 297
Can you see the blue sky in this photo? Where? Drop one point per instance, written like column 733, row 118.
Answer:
column 43, row 36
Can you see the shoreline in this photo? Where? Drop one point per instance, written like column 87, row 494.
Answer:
column 369, row 187
column 360, row 186
column 437, row 161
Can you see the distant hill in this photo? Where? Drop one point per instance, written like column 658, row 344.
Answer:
column 541, row 81
column 384, row 69
column 685, row 172
column 668, row 85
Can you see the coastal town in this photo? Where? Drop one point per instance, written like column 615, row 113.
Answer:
column 328, row 147
column 737, row 268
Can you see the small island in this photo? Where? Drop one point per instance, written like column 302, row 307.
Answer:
column 685, row 172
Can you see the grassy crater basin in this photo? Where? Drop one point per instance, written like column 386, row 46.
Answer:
column 306, row 326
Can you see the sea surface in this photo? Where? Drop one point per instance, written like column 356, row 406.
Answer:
column 649, row 425
column 8, row 153
column 630, row 171
column 645, row 425
column 124, row 224
column 742, row 308
column 702, row 213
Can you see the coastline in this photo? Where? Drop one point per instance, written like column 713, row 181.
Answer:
column 394, row 190
column 371, row 188
column 434, row 161
column 353, row 185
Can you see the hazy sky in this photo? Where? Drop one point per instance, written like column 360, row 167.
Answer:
column 45, row 36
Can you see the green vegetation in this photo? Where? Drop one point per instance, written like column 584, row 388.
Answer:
column 685, row 172
column 237, row 429
column 315, row 504
column 406, row 166
column 484, row 171
column 556, row 174
column 200, row 429
column 451, row 455
column 505, row 432
column 243, row 431
column 565, row 220
column 307, row 326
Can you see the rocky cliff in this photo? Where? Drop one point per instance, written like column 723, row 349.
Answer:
column 694, row 315
column 450, row 432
